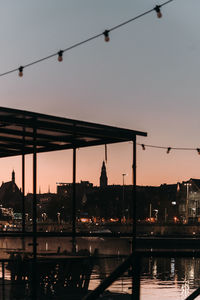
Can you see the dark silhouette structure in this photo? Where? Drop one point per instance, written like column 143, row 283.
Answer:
column 103, row 177
column 10, row 194
column 24, row 132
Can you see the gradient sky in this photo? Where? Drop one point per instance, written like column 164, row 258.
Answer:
column 146, row 78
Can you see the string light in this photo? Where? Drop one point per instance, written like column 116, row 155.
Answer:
column 60, row 55
column 158, row 11
column 168, row 149
column 106, row 37
column 21, row 71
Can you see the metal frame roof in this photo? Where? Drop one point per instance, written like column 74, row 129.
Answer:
column 18, row 128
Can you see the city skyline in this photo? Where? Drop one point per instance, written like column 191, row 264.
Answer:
column 125, row 178
column 145, row 78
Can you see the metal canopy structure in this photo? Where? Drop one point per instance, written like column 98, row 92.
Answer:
column 20, row 129
column 23, row 132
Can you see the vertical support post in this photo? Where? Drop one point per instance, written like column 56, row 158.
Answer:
column 135, row 264
column 134, row 199
column 123, row 205
column 23, row 192
column 74, row 200
column 3, row 280
column 187, row 185
column 150, row 211
column 34, row 262
column 34, row 194
column 23, row 199
column 136, row 277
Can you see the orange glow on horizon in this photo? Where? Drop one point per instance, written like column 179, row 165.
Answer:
column 153, row 167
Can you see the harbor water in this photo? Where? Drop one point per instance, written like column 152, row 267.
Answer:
column 168, row 278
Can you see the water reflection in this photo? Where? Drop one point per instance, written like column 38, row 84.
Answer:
column 179, row 276
column 61, row 272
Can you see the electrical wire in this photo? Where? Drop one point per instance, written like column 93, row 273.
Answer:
column 144, row 146
column 164, row 147
column 84, row 41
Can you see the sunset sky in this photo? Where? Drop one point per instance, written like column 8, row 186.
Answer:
column 146, row 78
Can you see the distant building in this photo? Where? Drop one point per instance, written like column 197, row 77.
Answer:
column 66, row 188
column 10, row 194
column 103, row 177
column 43, row 201
column 189, row 195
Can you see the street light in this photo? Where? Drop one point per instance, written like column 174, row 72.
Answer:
column 58, row 217
column 187, row 184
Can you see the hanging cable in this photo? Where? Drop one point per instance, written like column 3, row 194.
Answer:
column 106, row 153
column 168, row 149
column 105, row 34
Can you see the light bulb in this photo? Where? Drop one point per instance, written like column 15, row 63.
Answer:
column 157, row 9
column 168, row 150
column 21, row 71
column 60, row 55
column 106, row 36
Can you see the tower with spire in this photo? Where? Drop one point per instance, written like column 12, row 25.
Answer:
column 103, row 177
column 13, row 176
column 10, row 194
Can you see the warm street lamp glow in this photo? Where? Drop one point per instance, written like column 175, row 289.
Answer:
column 58, row 217
column 123, row 193
column 176, row 219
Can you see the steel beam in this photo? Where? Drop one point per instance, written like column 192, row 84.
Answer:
column 74, row 196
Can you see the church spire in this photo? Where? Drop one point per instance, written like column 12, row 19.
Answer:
column 103, row 177
column 13, row 176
